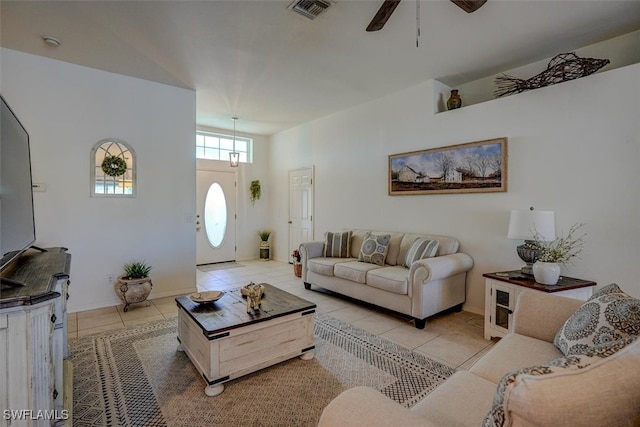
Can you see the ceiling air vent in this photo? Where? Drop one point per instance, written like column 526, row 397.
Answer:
column 309, row 8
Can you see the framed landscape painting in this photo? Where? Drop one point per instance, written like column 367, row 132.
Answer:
column 475, row 167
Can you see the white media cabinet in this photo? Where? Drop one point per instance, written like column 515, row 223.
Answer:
column 33, row 339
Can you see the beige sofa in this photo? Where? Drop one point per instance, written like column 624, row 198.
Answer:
column 427, row 287
column 605, row 393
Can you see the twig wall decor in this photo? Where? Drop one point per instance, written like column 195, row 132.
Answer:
column 563, row 67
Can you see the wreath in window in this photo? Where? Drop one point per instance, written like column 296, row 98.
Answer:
column 114, row 166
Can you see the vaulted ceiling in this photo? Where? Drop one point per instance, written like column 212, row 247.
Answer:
column 275, row 69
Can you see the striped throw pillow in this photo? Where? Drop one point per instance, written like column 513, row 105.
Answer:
column 420, row 249
column 337, row 245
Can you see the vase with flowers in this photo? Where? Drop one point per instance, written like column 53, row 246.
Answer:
column 297, row 264
column 562, row 250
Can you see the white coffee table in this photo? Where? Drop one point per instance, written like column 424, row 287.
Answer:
column 224, row 342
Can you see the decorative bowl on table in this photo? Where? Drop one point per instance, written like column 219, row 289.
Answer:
column 245, row 289
column 206, row 297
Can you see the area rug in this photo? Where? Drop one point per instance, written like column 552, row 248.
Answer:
column 135, row 377
column 219, row 266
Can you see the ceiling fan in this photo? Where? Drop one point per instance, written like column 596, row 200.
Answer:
column 389, row 6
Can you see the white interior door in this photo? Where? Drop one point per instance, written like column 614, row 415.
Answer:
column 300, row 207
column 215, row 217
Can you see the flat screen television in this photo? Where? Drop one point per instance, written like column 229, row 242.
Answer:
column 17, row 224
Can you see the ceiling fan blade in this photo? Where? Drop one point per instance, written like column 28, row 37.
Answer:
column 383, row 14
column 469, row 6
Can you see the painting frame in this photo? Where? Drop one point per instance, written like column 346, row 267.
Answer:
column 472, row 167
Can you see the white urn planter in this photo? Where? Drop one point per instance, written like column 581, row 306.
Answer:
column 547, row 273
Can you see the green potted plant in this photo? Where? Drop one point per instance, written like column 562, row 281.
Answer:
column 265, row 247
column 255, row 191
column 134, row 285
column 546, row 269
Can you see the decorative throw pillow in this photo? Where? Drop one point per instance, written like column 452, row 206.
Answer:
column 420, row 249
column 337, row 245
column 609, row 315
column 520, row 382
column 374, row 248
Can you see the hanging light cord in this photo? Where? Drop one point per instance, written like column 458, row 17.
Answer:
column 417, row 22
column 234, row 133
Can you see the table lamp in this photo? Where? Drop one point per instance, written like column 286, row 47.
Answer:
column 526, row 225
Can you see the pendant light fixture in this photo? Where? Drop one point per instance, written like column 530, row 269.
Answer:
column 234, row 157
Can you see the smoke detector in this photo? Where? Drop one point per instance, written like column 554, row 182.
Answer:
column 51, row 41
column 309, row 8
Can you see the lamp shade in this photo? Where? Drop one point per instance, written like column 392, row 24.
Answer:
column 524, row 225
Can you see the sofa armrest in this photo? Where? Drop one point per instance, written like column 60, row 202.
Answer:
column 366, row 407
column 311, row 250
column 540, row 315
column 439, row 267
column 307, row 251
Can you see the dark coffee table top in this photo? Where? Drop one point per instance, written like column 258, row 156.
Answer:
column 230, row 311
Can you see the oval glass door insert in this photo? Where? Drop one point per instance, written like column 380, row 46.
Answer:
column 215, row 215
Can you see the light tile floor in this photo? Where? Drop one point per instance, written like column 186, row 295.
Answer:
column 455, row 339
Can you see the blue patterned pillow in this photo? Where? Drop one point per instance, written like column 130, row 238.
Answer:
column 609, row 315
column 420, row 249
column 374, row 248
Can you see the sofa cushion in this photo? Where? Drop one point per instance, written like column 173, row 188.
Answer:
column 462, row 400
column 374, row 248
column 446, row 245
column 357, row 237
column 337, row 244
column 421, row 248
column 394, row 244
column 393, row 279
column 394, row 249
column 594, row 389
column 355, row 271
column 512, row 352
column 325, row 266
column 609, row 315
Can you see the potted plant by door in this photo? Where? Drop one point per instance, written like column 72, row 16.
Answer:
column 265, row 247
column 546, row 269
column 134, row 285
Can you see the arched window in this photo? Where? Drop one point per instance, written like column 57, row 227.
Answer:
column 113, row 169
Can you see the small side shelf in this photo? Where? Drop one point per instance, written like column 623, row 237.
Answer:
column 501, row 294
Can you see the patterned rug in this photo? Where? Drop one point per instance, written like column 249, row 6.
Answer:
column 135, row 377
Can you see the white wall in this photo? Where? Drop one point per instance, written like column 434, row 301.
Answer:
column 66, row 109
column 574, row 148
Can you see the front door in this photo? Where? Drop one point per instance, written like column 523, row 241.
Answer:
column 215, row 217
column 300, row 207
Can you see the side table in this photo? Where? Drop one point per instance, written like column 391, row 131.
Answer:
column 501, row 293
